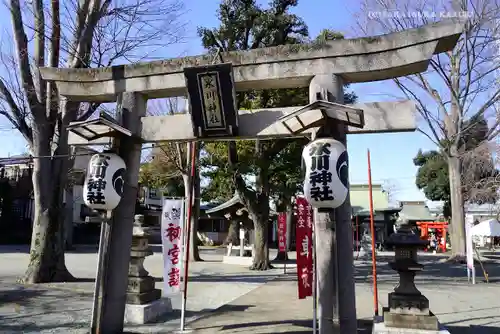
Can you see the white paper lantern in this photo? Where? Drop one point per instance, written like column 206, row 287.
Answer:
column 326, row 180
column 103, row 187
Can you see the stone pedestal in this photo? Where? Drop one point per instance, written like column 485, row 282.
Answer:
column 144, row 302
column 379, row 327
column 146, row 313
column 408, row 310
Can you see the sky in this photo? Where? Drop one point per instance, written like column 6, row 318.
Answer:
column 391, row 154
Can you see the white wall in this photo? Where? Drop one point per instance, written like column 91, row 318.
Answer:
column 77, row 203
column 153, row 196
column 81, row 163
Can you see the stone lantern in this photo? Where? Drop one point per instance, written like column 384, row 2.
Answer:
column 408, row 308
column 144, row 302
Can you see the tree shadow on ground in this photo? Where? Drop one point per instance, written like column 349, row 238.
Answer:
column 191, row 316
column 303, row 326
column 12, row 249
column 281, row 263
column 434, row 272
column 22, row 303
column 83, row 249
column 156, row 248
column 65, row 285
column 19, row 295
column 84, row 280
column 37, row 327
column 226, row 278
column 473, row 329
column 466, row 311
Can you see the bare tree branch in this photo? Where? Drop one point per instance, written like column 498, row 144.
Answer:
column 15, row 116
column 458, row 93
column 69, row 32
column 22, row 50
column 39, row 47
column 54, row 53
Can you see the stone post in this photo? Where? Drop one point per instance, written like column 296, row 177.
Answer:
column 333, row 232
column 133, row 107
column 144, row 302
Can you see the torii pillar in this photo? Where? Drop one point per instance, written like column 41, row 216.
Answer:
column 333, row 231
column 319, row 66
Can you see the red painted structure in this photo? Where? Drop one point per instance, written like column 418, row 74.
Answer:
column 440, row 228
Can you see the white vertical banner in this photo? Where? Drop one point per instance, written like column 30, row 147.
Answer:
column 172, row 236
column 469, row 248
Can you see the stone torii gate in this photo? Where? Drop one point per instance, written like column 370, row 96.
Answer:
column 324, row 68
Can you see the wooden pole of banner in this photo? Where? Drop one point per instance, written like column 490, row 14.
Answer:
column 102, row 260
column 372, row 229
column 485, row 273
column 188, row 232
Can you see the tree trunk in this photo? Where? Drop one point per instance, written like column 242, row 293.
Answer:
column 257, row 204
column 457, row 211
column 49, row 178
column 261, row 245
column 68, row 218
column 233, row 233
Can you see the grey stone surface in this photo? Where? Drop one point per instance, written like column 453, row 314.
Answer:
column 358, row 60
column 381, row 328
column 410, row 321
column 379, row 117
column 146, row 313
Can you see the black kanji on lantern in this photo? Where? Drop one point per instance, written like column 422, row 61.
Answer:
column 98, row 167
column 320, row 155
column 96, row 183
column 320, row 176
column 96, row 197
